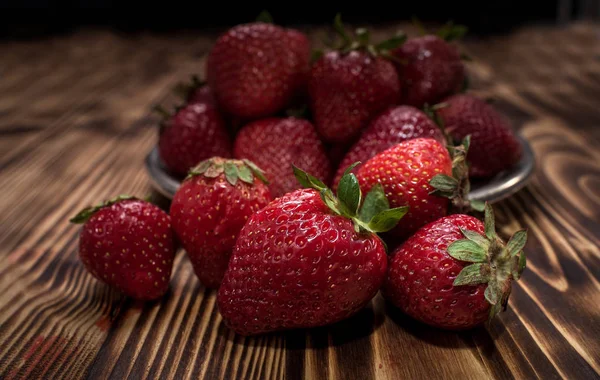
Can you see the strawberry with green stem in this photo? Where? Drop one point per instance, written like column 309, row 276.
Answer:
column 455, row 272
column 309, row 258
column 352, row 84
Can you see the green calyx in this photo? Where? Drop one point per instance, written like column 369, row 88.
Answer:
column 493, row 262
column 235, row 170
column 458, row 186
column 264, row 17
column 85, row 214
column 449, row 31
column 360, row 40
column 185, row 90
column 373, row 214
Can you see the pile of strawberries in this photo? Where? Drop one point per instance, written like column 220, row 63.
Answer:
column 309, row 185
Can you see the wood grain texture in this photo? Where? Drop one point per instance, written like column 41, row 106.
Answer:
column 79, row 132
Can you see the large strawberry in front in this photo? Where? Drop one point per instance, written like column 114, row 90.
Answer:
column 127, row 243
column 350, row 86
column 307, row 259
column 275, row 144
column 209, row 209
column 256, row 69
column 455, row 272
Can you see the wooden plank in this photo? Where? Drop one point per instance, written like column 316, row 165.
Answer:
column 80, row 134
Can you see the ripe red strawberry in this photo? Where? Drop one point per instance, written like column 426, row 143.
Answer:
column 307, row 259
column 195, row 132
column 275, row 144
column 405, row 171
column 455, row 273
column 494, row 146
column 429, row 69
column 210, row 208
column 256, row 69
column 350, row 86
column 127, row 243
column 395, row 125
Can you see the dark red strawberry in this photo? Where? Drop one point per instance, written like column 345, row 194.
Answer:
column 455, row 272
column 127, row 243
column 429, row 69
column 395, row 125
column 195, row 132
column 307, row 259
column 494, row 145
column 350, row 86
column 256, row 69
column 275, row 144
column 405, row 171
column 210, row 208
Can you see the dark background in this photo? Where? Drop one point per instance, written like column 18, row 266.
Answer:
column 34, row 18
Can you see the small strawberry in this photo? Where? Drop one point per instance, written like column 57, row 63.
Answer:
column 430, row 66
column 349, row 86
column 195, row 131
column 307, row 259
column 127, row 243
column 395, row 125
column 494, row 145
column 455, row 272
column 275, row 144
column 256, row 69
column 210, row 208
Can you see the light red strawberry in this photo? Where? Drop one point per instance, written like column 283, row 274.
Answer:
column 396, row 124
column 405, row 171
column 275, row 144
column 349, row 86
column 128, row 244
column 195, row 132
column 455, row 272
column 307, row 259
column 256, row 69
column 210, row 208
column 494, row 145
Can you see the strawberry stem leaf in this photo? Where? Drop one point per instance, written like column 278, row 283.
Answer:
column 473, row 274
column 349, row 193
column 392, row 43
column 244, row 170
column 489, row 223
column 517, row 242
column 85, row 214
column 265, row 17
column 444, row 183
column 231, row 173
column 478, row 239
column 467, row 250
column 387, row 219
column 451, row 32
column 307, row 180
column 375, row 202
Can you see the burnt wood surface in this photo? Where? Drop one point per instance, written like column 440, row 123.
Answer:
column 76, row 124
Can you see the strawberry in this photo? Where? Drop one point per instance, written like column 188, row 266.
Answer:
column 349, row 86
column 430, row 67
column 395, row 125
column 127, row 243
column 494, row 145
column 196, row 131
column 210, row 208
column 307, row 259
column 275, row 144
column 256, row 69
column 455, row 272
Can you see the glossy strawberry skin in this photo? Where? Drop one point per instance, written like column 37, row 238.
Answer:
column 130, row 246
column 431, row 69
column 256, row 69
column 196, row 132
column 347, row 90
column 421, row 275
column 298, row 265
column 396, row 124
column 404, row 171
column 494, row 146
column 274, row 144
column 207, row 215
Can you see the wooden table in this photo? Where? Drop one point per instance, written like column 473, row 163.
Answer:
column 75, row 125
